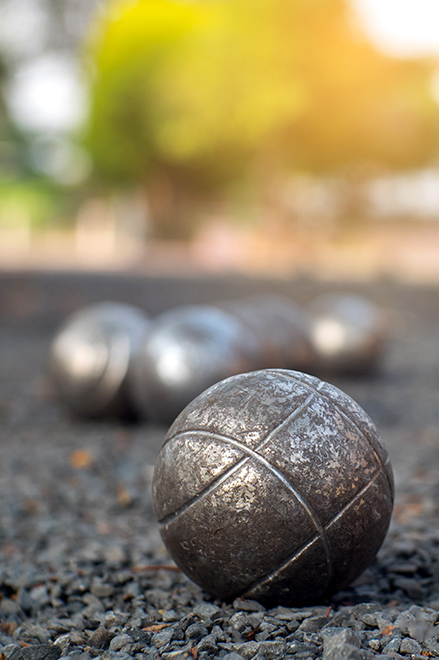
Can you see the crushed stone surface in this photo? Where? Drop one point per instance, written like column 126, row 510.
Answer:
column 83, row 571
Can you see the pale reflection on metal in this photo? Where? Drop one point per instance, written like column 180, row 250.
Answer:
column 273, row 485
column 91, row 355
column 348, row 333
column 281, row 328
column 188, row 349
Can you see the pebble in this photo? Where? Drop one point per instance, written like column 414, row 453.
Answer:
column 409, row 646
column 100, row 638
column 119, row 641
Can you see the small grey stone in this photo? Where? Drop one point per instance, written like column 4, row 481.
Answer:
column 266, row 626
column 196, row 631
column 9, row 650
column 207, row 644
column 370, row 619
column 37, row 632
column 206, row 610
column 76, row 637
column 344, row 646
column 119, row 641
column 5, row 640
column 24, row 600
column 9, row 606
column 233, row 656
column 300, row 649
column 244, row 605
column 174, row 655
column 248, row 649
column 273, row 649
column 240, row 622
column 63, row 641
column 115, row 618
column 344, row 636
column 303, row 614
column 313, row 624
column 292, row 625
column 138, row 635
column 37, row 652
column 100, row 638
column 218, row 633
column 409, row 647
column 159, row 598
column 40, row 595
column 131, row 590
column 432, row 646
column 101, row 589
column 392, row 646
column 162, row 638
column 170, row 615
column 284, row 613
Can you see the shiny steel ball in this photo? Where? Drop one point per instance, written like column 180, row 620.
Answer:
column 281, row 329
column 188, row 349
column 348, row 333
column 275, row 486
column 91, row 355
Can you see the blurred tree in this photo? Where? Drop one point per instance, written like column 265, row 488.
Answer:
column 190, row 97
column 12, row 142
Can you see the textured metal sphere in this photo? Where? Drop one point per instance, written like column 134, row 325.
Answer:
column 273, row 485
column 281, row 329
column 90, row 358
column 188, row 349
column 348, row 333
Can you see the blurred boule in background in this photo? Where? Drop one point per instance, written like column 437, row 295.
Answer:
column 348, row 332
column 188, row 349
column 281, row 327
column 91, row 355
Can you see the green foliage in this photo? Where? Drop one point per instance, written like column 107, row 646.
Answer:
column 190, row 96
column 33, row 203
column 193, row 88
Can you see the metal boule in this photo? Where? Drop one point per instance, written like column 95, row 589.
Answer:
column 187, row 349
column 274, row 486
column 281, row 328
column 348, row 333
column 90, row 358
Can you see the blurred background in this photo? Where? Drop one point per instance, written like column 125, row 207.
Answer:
column 261, row 137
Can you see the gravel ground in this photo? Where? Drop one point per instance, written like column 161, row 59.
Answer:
column 84, row 573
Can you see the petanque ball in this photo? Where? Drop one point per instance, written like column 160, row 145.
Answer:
column 348, row 333
column 91, row 356
column 187, row 349
column 273, row 485
column 281, row 329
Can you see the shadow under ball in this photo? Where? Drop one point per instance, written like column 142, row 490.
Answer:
column 348, row 333
column 90, row 358
column 273, row 485
column 188, row 349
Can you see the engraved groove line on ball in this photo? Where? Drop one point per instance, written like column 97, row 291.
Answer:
column 343, row 414
column 288, row 419
column 357, row 496
column 250, row 453
column 266, row 579
column 217, row 481
column 273, row 575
